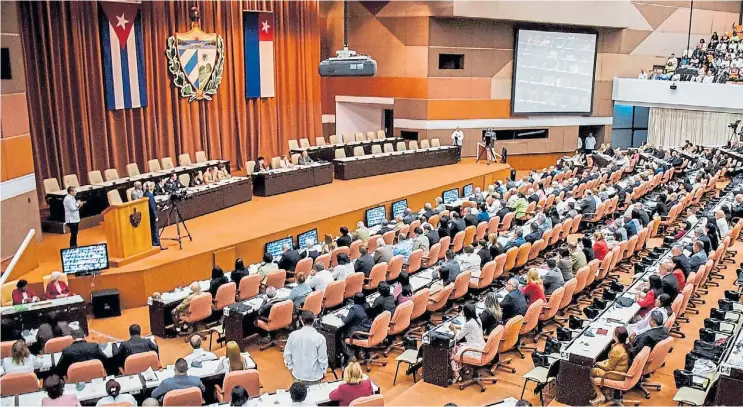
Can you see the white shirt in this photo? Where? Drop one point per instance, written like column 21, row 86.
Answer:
column 224, row 364
column 306, row 354
column 456, row 137
column 590, row 142
column 469, row 262
column 71, row 211
column 341, row 271
column 320, row 280
column 121, row 398
column 722, row 226
column 708, row 79
column 642, row 75
column 29, row 364
column 580, row 143
column 201, row 355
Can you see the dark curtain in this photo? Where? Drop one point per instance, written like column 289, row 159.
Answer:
column 72, row 131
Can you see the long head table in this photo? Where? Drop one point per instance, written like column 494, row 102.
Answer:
column 386, row 163
column 19, row 318
column 327, row 152
column 95, row 195
column 279, row 181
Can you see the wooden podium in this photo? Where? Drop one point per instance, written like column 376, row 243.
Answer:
column 127, row 227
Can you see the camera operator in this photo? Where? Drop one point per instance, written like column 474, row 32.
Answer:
column 456, row 138
column 172, row 184
column 149, row 187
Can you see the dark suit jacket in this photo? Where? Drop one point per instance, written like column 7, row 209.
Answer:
column 670, row 286
column 513, row 304
column 683, row 263
column 649, row 338
column 470, row 220
column 238, row 275
column 429, row 213
column 344, row 241
column 152, row 205
column 289, row 260
column 533, row 237
column 433, row 237
column 79, row 351
column 135, row 344
column 364, row 264
column 456, row 226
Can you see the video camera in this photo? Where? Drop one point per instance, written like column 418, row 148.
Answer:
column 734, row 125
column 488, row 137
column 178, row 195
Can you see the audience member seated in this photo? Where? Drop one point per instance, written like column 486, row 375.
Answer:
column 663, row 305
column 267, row 267
column 517, row 239
column 320, row 278
column 113, row 389
column 651, row 337
column 588, row 248
column 651, row 290
column 285, row 162
column 680, row 260
column 218, row 279
column 298, row 394
column 403, row 291
column 361, row 233
column 306, row 354
column 535, row 233
column 182, row 308
column 239, row 272
column 20, row 360
column 197, row 353
column 452, row 265
column 57, row 288
column 304, row 158
column 271, row 299
column 432, row 235
column 383, row 254
column 514, row 303
column 553, row 278
column 699, row 256
column 54, row 387
column 491, row 316
column 456, row 225
column 135, row 344
column 181, row 380
column 404, row 247
column 289, row 259
column 329, row 244
column 618, row 361
column 484, row 253
column 78, row 351
column 309, row 250
column 240, row 396
column 565, row 264
column 51, row 327
column 469, row 260
column 600, row 247
column 466, row 336
column 357, row 320
column 344, row 268
column 534, row 289
column 22, row 294
column 300, row 291
column 345, row 239
column 421, row 240
column 577, row 257
column 234, row 360
column 354, row 386
column 384, row 302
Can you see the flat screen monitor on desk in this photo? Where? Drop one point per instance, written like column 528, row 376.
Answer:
column 276, row 248
column 85, row 259
column 468, row 190
column 450, row 195
column 399, row 207
column 302, row 237
column 375, row 216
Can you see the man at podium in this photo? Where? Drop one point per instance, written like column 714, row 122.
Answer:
column 149, row 186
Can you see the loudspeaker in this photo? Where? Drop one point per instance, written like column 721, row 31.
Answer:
column 106, row 303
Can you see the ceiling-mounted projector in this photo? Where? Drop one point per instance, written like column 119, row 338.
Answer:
column 348, row 63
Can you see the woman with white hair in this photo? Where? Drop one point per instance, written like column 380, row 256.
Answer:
column 57, row 288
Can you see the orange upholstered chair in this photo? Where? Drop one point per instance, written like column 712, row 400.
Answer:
column 493, row 224
column 368, row 401
column 469, row 234
column 505, row 224
column 414, row 261
column 371, row 245
column 482, row 229
column 304, row 266
column 249, row 287
column 333, row 295
column 511, row 255
column 430, row 259
column 280, row 317
column 354, row 250
column 276, row 279
column 420, row 300
column 486, row 277
column 190, row 396
column 248, row 379
column 399, row 323
column 324, row 260
column 354, row 284
column 199, row 309
column 85, row 371
column 55, row 345
column 458, row 242
column 630, row 379
column 6, row 348
column 395, row 267
column 461, row 285
column 376, row 276
column 523, row 255
column 334, row 255
column 510, row 341
column 225, row 296
column 656, row 360
column 531, row 321
column 389, row 237
column 550, row 310
column 484, row 357
column 434, row 221
column 139, row 362
column 313, row 302
column 18, row 383
column 368, row 340
column 445, row 242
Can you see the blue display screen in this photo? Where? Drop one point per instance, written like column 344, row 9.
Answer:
column 399, row 207
column 276, row 248
column 302, row 237
column 468, row 190
column 450, row 195
column 375, row 216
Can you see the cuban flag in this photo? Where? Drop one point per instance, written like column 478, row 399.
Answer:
column 123, row 55
column 258, row 31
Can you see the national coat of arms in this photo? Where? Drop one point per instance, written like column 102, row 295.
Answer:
column 196, row 60
column 135, row 218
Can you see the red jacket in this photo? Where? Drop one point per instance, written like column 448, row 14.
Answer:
column 533, row 292
column 52, row 292
column 600, row 248
column 647, row 303
column 680, row 278
column 18, row 296
column 346, row 393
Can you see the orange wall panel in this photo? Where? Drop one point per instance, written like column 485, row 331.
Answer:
column 17, row 157
column 414, row 88
column 469, row 109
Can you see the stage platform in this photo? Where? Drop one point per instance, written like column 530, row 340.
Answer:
column 243, row 230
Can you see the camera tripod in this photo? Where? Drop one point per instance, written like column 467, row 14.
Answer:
column 488, row 151
column 174, row 211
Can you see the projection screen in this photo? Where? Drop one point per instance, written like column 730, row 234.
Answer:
column 553, row 72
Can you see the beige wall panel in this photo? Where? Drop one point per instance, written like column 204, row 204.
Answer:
column 630, row 65
column 506, row 71
column 722, row 22
column 416, row 62
column 610, row 40
column 409, row 30
column 730, row 6
column 663, row 44
column 655, row 14
column 14, row 114
column 416, row 9
column 703, row 22
column 500, row 88
column 18, row 82
column 631, row 39
column 482, row 63
column 439, row 88
column 476, row 33
column 18, row 215
column 609, row 64
column 410, row 109
column 9, row 17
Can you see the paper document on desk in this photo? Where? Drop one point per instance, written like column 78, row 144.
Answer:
column 149, row 375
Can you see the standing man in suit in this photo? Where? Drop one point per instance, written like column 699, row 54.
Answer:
column 153, row 215
column 135, row 344
column 78, row 351
column 72, row 214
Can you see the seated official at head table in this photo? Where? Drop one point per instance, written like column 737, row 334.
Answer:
column 304, row 158
column 22, row 294
column 260, row 165
column 57, row 288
